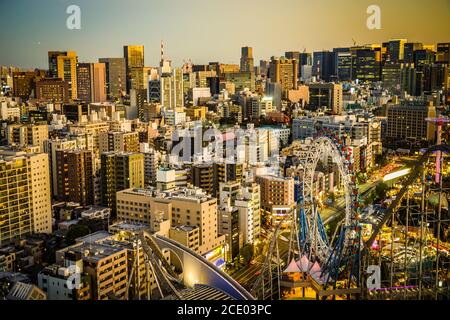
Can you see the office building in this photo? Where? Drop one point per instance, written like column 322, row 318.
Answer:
column 407, row 121
column 116, row 83
column 91, row 82
column 75, row 176
column 63, row 65
column 277, row 197
column 172, row 95
column 134, row 59
column 366, row 65
column 120, row 171
column 410, row 48
column 52, row 90
column 327, row 97
column 247, row 61
column 285, row 72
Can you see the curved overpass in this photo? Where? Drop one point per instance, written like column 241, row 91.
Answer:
column 415, row 174
column 197, row 270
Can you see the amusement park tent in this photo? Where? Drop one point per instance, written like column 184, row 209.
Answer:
column 304, row 264
column 292, row 267
column 316, row 272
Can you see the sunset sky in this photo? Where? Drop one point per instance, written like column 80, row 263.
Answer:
column 208, row 30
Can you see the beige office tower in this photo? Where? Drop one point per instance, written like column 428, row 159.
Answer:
column 27, row 135
column 285, row 72
column 64, row 65
column 25, row 206
column 172, row 96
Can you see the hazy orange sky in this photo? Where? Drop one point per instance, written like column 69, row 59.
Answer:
column 209, row 30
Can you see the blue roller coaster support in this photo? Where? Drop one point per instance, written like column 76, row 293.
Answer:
column 321, row 227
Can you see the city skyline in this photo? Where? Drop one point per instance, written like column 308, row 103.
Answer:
column 162, row 23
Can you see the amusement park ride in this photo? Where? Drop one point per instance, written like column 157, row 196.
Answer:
column 400, row 256
column 413, row 258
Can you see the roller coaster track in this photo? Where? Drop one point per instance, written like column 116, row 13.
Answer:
column 413, row 176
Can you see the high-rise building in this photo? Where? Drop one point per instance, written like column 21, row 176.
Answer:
column 27, row 135
column 203, row 177
column 324, row 65
column 118, row 141
column 91, row 82
column 25, row 206
column 120, row 171
column 285, row 72
column 396, row 50
column 344, row 65
column 134, row 59
column 52, row 90
column 249, row 205
column 407, row 121
column 391, row 77
column 23, row 84
column 51, row 147
column 443, row 53
column 63, row 65
column 172, row 95
column 247, row 61
column 366, row 64
column 410, row 48
column 75, row 176
column 116, row 77
column 327, row 97
column 277, row 196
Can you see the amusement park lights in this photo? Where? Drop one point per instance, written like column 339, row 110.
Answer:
column 396, row 175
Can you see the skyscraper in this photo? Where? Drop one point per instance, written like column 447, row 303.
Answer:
column 247, row 61
column 324, row 65
column 134, row 59
column 25, row 206
column 410, row 48
column 75, row 182
column 172, row 95
column 443, row 53
column 91, row 82
column 120, row 171
column 285, row 72
column 366, row 64
column 396, row 50
column 63, row 64
column 116, row 79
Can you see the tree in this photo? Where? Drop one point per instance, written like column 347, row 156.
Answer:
column 247, row 253
column 381, row 190
column 76, row 231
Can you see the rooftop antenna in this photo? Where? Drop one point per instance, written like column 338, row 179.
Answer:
column 162, row 53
